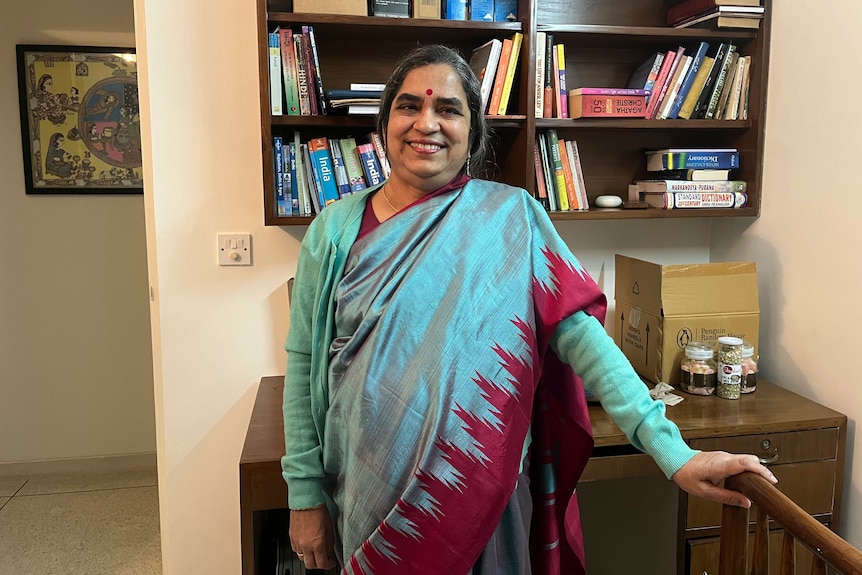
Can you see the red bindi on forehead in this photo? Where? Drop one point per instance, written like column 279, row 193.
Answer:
column 429, row 91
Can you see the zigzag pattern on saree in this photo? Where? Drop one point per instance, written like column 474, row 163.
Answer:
column 396, row 552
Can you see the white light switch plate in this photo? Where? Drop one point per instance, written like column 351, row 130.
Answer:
column 234, row 249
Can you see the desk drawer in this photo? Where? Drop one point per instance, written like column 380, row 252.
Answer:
column 778, row 448
column 811, row 485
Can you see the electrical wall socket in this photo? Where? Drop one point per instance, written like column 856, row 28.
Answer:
column 234, row 249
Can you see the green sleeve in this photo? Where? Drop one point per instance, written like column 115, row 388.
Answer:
column 581, row 341
column 302, row 464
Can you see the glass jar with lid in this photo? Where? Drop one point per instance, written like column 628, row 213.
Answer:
column 749, row 368
column 697, row 371
column 729, row 380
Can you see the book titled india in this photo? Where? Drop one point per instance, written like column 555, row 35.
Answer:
column 683, row 159
column 370, row 164
column 324, row 169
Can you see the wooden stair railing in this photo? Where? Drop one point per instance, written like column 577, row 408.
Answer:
column 828, row 548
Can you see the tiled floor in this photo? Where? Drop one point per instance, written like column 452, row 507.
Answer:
column 80, row 523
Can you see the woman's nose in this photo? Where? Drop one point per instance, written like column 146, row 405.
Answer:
column 427, row 120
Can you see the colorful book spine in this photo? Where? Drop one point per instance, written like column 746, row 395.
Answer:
column 696, row 88
column 735, row 186
column 324, row 170
column 339, row 168
column 550, row 178
column 288, row 66
column 728, row 86
column 705, row 94
column 590, row 106
column 692, row 160
column 275, row 99
column 541, row 188
column 294, row 185
column 310, row 72
column 278, row 176
column 568, row 176
column 540, row 74
column 500, row 77
column 302, row 76
column 561, row 70
column 712, row 104
column 301, row 182
column 674, row 87
column 680, row 200
column 352, row 164
column 315, row 191
column 548, row 100
column 667, row 82
column 688, row 81
column 608, row 92
column 655, row 93
column 511, row 68
column 370, row 164
column 380, row 150
column 577, row 168
column 559, row 175
column 315, row 61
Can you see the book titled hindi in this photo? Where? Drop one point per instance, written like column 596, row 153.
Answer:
column 692, row 158
column 655, row 186
column 607, row 103
column 679, row 200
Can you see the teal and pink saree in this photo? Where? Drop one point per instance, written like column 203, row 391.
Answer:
column 439, row 377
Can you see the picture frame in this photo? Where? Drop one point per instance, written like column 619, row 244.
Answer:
column 80, row 119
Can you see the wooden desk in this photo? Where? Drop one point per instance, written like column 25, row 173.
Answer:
column 804, row 441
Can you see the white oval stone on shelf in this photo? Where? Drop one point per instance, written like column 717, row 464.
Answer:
column 609, row 202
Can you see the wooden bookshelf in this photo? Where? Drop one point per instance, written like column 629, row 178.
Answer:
column 604, row 41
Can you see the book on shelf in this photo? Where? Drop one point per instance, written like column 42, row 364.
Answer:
column 560, row 52
column 351, row 162
column 590, row 103
column 370, row 164
column 696, row 88
column 380, row 150
column 278, row 176
column 499, row 77
column 288, row 66
column 644, row 76
column 368, row 86
column 732, row 112
column 302, row 75
column 315, row 64
column 674, row 87
column 692, row 175
column 548, row 172
column 747, row 17
column 656, row 105
column 540, row 74
column 661, row 78
column 685, row 87
column 556, row 162
column 305, row 205
column 324, row 169
column 744, row 92
column 548, row 100
column 482, row 10
column 390, row 8
column 275, row 74
column 483, row 62
column 541, row 188
column 428, row 9
column 294, row 188
column 692, row 158
column 736, row 186
column 719, row 56
column 574, row 156
column 729, row 78
column 315, row 191
column 729, row 60
column 505, row 10
column 680, row 200
column 568, row 176
column 511, row 68
column 363, row 109
column 340, row 170
column 690, row 8
column 455, row 10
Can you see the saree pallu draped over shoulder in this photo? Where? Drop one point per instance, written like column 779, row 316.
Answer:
column 439, row 371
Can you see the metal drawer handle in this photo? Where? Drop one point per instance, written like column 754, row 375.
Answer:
column 768, row 460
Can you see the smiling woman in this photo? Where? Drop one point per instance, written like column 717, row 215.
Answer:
column 434, row 419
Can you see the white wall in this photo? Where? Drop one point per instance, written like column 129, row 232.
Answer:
column 75, row 348
column 217, row 330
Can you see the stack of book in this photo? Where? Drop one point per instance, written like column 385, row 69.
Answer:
column 551, row 88
column 360, row 99
column 494, row 63
column 716, row 14
column 691, row 178
column 704, row 81
column 309, row 176
column 294, row 73
column 559, row 177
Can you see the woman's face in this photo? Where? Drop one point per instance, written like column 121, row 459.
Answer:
column 428, row 135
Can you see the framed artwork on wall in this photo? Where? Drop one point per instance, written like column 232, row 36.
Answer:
column 80, row 120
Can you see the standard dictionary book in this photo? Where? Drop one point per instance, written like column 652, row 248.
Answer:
column 692, row 158
column 679, row 200
column 607, row 103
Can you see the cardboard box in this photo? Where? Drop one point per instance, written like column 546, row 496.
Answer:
column 344, row 7
column 660, row 308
